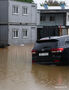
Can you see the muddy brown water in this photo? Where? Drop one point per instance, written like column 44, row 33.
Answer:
column 18, row 73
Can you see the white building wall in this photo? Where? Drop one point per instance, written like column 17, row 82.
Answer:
column 30, row 17
column 67, row 19
column 38, row 17
column 19, row 21
column 31, row 34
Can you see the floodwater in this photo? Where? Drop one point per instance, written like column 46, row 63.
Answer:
column 18, row 73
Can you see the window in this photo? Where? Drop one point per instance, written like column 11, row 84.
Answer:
column 24, row 10
column 15, row 33
column 43, row 18
column 14, row 9
column 52, row 18
column 47, row 43
column 24, row 32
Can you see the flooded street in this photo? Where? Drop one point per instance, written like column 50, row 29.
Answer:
column 18, row 73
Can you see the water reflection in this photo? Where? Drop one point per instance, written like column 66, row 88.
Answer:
column 15, row 67
column 51, row 76
column 3, row 63
column 18, row 73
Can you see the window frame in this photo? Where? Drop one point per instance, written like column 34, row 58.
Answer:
column 14, row 32
column 24, row 33
column 24, row 10
column 14, row 11
column 43, row 18
column 52, row 18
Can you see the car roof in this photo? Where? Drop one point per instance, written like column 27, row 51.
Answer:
column 55, row 37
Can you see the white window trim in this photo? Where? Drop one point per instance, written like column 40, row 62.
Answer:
column 16, row 37
column 15, row 13
column 24, row 14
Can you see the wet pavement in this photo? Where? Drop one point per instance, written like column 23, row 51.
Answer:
column 18, row 73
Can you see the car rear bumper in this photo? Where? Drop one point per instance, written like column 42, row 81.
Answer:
column 46, row 60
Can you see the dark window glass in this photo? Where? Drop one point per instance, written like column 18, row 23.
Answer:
column 47, row 44
column 52, row 18
column 15, row 33
column 43, row 18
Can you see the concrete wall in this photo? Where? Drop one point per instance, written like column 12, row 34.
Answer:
column 19, row 18
column 20, row 22
column 38, row 17
column 3, row 22
column 3, row 35
column 67, row 19
column 59, row 20
column 3, row 11
column 31, row 34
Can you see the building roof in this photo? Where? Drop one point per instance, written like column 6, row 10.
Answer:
column 17, row 1
column 52, row 7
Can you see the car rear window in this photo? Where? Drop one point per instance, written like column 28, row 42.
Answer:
column 46, row 44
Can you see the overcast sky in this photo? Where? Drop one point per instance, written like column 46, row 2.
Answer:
column 39, row 1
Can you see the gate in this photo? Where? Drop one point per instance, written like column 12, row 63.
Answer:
column 47, row 31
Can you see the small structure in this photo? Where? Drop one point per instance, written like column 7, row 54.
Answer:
column 3, row 23
column 54, row 21
column 18, row 22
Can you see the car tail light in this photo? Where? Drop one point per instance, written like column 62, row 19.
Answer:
column 56, row 61
column 34, row 51
column 33, row 61
column 56, row 50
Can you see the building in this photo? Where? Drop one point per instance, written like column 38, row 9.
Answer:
column 18, row 22
column 3, row 23
column 53, row 21
column 22, row 22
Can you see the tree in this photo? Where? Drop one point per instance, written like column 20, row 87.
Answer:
column 29, row 1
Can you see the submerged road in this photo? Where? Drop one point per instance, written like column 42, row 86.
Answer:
column 18, row 73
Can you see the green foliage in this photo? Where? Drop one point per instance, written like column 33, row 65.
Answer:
column 53, row 3
column 29, row 1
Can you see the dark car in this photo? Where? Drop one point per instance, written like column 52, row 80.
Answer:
column 53, row 50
